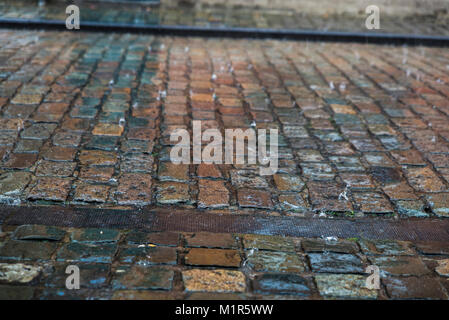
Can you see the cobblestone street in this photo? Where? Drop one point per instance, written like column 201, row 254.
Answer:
column 85, row 122
column 169, row 265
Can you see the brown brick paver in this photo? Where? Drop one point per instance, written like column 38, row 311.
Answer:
column 86, row 121
column 362, row 128
column 134, row 264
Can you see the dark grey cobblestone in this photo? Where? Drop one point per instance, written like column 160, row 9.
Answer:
column 138, row 265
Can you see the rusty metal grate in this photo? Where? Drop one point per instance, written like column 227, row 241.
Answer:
column 195, row 221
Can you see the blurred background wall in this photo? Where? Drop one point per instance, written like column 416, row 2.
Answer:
column 316, row 7
column 394, row 7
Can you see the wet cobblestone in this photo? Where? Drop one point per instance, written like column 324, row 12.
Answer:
column 86, row 121
column 355, row 137
column 134, row 264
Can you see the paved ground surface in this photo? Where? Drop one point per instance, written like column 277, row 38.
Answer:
column 137, row 265
column 433, row 23
column 85, row 120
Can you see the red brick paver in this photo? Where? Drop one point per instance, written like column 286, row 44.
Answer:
column 362, row 128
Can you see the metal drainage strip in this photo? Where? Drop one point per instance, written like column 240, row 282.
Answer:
column 153, row 220
column 232, row 32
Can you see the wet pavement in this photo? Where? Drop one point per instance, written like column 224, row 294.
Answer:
column 85, row 121
column 131, row 264
column 306, row 16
